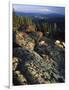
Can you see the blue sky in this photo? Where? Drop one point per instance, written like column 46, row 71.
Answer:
column 38, row 9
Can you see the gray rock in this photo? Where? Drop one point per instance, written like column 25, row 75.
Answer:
column 57, row 55
column 32, row 65
column 35, row 68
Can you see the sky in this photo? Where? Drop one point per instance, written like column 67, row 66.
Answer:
column 38, row 9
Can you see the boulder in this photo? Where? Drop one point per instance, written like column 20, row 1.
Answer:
column 23, row 40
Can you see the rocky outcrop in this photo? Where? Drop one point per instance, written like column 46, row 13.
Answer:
column 57, row 54
column 24, row 40
column 36, row 59
column 31, row 64
column 18, row 77
column 37, row 70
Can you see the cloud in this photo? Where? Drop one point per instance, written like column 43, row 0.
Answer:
column 44, row 10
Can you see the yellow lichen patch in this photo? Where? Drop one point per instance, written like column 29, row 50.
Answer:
column 14, row 63
column 20, row 77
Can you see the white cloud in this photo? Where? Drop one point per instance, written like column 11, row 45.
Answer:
column 43, row 10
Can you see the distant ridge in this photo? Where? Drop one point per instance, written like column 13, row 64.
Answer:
column 38, row 14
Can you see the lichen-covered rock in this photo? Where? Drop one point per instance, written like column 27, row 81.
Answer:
column 32, row 64
column 14, row 63
column 23, row 40
column 17, row 76
column 35, row 68
column 57, row 56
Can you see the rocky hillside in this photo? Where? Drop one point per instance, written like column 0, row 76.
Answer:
column 36, row 58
